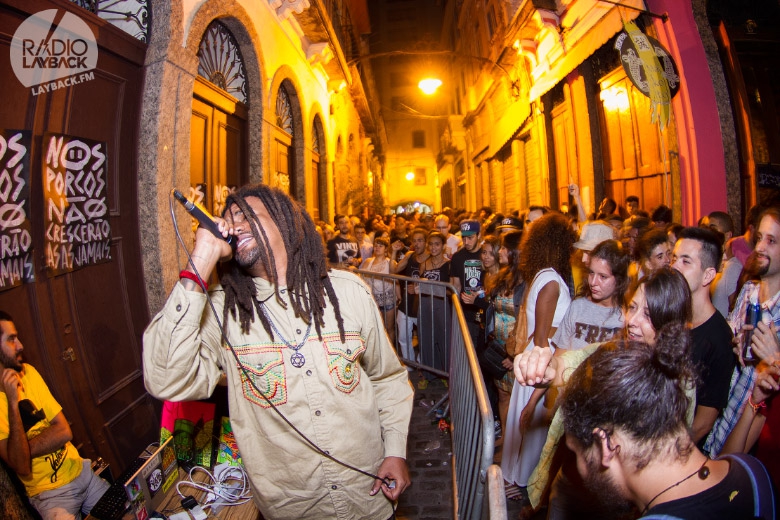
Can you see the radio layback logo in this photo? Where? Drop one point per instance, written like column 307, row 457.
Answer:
column 52, row 50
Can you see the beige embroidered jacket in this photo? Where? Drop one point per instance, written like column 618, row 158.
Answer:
column 353, row 399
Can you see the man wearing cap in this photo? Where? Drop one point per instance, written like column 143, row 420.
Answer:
column 593, row 233
column 509, row 224
column 466, row 274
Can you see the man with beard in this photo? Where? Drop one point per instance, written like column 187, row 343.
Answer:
column 343, row 249
column 299, row 341
column 35, row 438
column 624, row 412
column 765, row 262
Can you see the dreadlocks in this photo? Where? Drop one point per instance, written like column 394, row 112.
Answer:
column 307, row 272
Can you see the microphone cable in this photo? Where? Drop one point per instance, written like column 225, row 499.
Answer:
column 389, row 483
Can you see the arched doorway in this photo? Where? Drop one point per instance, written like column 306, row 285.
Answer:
column 319, row 163
column 287, row 143
column 82, row 327
column 218, row 151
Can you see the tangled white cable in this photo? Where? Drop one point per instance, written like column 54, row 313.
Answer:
column 227, row 486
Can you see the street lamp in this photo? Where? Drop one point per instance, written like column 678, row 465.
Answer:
column 429, row 86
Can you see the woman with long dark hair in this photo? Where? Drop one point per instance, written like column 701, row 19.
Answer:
column 660, row 301
column 434, row 310
column 504, row 293
column 597, row 314
column 544, row 265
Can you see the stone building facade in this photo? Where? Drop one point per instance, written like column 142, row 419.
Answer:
column 199, row 96
column 544, row 101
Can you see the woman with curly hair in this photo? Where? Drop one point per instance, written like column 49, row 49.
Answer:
column 502, row 290
column 544, row 265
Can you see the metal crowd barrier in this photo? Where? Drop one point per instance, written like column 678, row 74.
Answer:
column 445, row 350
column 496, row 494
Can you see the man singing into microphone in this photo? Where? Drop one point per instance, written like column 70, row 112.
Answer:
column 307, row 340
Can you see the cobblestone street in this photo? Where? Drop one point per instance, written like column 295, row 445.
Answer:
column 429, row 455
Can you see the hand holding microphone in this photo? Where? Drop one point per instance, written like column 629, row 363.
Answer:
column 208, row 251
column 204, row 218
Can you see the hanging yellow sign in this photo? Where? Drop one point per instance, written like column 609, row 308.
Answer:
column 650, row 68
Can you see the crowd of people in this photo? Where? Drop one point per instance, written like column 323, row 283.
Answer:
column 631, row 363
column 621, row 331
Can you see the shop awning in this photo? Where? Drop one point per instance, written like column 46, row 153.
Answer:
column 576, row 47
column 592, row 30
column 508, row 123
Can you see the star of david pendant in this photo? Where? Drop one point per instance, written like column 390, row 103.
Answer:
column 297, row 360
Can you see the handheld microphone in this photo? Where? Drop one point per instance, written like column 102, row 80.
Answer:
column 203, row 217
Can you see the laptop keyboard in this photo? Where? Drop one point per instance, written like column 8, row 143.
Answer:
column 113, row 504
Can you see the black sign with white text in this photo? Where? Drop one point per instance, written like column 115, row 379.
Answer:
column 637, row 70
column 77, row 229
column 16, row 261
column 768, row 176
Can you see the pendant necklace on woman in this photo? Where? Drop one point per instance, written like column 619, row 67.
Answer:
column 297, row 359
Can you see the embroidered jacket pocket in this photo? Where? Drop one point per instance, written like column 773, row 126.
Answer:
column 344, row 361
column 265, row 365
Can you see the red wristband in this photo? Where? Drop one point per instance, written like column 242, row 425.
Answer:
column 756, row 407
column 189, row 275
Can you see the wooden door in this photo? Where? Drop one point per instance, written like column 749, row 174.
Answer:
column 315, row 186
column 633, row 161
column 565, row 148
column 282, row 162
column 533, row 173
column 218, row 144
column 82, row 330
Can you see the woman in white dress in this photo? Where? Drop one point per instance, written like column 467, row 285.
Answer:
column 386, row 293
column 545, row 265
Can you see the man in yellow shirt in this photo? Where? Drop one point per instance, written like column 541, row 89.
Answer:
column 35, row 438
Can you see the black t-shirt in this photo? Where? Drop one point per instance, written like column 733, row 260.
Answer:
column 730, row 498
column 470, row 276
column 341, row 249
column 439, row 274
column 714, row 360
column 408, row 303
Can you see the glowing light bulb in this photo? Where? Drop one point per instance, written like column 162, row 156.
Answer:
column 429, row 85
